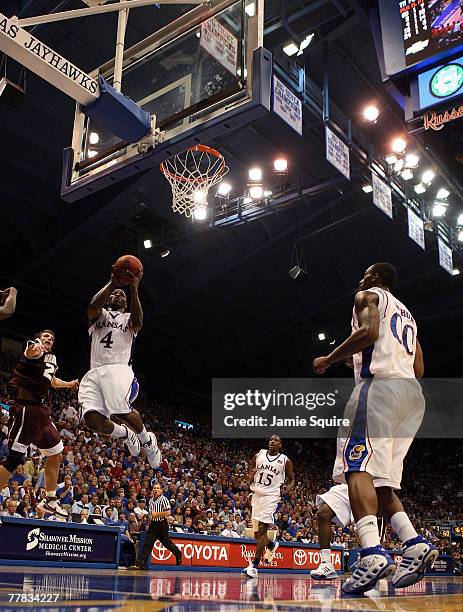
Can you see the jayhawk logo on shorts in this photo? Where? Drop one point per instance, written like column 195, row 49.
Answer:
column 356, row 452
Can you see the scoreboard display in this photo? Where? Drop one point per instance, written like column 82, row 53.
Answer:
column 419, row 31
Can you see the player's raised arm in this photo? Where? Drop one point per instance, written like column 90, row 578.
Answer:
column 251, row 471
column 136, row 311
column 8, row 302
column 418, row 364
column 100, row 299
column 366, row 308
column 289, row 472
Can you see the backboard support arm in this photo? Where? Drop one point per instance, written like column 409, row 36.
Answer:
column 97, row 10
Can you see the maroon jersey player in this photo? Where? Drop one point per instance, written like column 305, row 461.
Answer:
column 30, row 420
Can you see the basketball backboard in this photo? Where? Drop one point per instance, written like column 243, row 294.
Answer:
column 200, row 76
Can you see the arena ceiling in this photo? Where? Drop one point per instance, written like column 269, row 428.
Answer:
column 222, row 303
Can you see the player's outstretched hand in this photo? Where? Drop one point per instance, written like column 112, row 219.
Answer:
column 34, row 349
column 320, row 365
column 74, row 385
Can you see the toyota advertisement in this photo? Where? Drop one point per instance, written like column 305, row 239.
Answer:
column 237, row 553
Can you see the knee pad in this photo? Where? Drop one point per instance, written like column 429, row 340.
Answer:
column 13, row 460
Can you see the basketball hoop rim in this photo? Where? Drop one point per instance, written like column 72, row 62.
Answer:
column 183, row 179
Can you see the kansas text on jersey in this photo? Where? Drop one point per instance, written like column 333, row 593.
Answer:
column 270, row 472
column 111, row 339
column 393, row 354
column 34, row 375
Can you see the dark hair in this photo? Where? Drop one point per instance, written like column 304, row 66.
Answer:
column 387, row 273
column 43, row 331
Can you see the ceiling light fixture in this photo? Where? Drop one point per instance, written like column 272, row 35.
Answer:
column 291, row 49
column 399, row 145
column 371, row 113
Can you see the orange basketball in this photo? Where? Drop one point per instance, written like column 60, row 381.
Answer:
column 127, row 263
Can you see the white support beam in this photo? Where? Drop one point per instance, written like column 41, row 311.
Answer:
column 97, row 10
column 51, row 66
column 120, row 41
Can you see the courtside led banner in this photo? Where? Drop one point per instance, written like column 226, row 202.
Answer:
column 223, row 553
column 30, row 540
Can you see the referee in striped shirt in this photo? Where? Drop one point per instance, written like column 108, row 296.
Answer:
column 159, row 510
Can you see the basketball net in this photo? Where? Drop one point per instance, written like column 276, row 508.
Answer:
column 191, row 174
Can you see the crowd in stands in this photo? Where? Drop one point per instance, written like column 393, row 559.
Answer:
column 204, row 479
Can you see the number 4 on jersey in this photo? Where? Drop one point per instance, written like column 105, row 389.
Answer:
column 107, row 341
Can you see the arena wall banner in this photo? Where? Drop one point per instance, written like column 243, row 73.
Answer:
column 232, row 554
column 442, row 567
column 52, row 543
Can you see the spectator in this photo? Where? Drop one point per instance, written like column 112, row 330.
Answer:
column 65, row 493
column 18, row 475
column 188, row 526
column 140, row 510
column 78, row 506
column 9, row 508
column 228, row 532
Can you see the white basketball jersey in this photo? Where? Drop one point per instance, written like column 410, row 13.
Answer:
column 111, row 339
column 270, row 473
column 393, row 354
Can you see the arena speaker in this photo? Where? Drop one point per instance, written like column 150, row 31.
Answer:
column 296, row 273
column 297, row 266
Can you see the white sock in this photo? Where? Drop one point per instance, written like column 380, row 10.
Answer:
column 325, row 555
column 119, row 431
column 367, row 528
column 51, row 493
column 143, row 436
column 403, row 527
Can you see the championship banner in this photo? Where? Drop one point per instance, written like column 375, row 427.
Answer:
column 287, row 105
column 337, row 152
column 57, row 543
column 416, row 228
column 203, row 551
column 220, row 43
column 382, row 195
column 445, row 256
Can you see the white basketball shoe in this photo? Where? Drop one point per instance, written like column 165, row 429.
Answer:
column 52, row 505
column 132, row 442
column 250, row 571
column 418, row 554
column 325, row 571
column 153, row 454
column 374, row 564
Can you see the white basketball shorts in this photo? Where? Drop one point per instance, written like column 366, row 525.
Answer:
column 109, row 390
column 384, row 416
column 337, row 499
column 264, row 508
